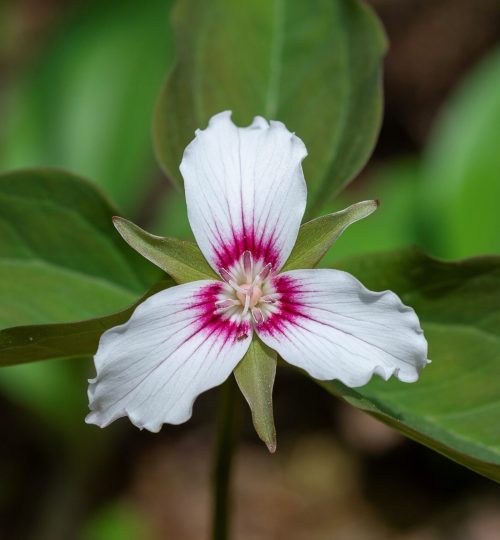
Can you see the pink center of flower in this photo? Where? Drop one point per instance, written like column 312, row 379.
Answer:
column 249, row 292
column 255, row 294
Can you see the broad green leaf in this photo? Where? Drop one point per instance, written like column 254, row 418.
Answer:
column 86, row 100
column 454, row 407
column 60, row 257
column 255, row 376
column 313, row 65
column 21, row 344
column 316, row 237
column 181, row 259
column 460, row 183
column 60, row 260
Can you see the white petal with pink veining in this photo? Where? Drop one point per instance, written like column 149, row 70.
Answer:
column 330, row 325
column 245, row 190
column 172, row 349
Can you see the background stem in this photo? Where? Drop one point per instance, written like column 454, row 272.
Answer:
column 228, row 419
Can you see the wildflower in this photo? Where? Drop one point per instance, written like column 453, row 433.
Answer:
column 246, row 196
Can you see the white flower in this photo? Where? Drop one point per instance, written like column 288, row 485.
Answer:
column 246, row 196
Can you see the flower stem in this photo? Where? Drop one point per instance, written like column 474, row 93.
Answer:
column 228, row 419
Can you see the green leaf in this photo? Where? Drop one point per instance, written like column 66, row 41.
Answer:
column 313, row 65
column 461, row 167
column 60, row 257
column 181, row 259
column 454, row 407
column 255, row 376
column 86, row 101
column 22, row 344
column 316, row 237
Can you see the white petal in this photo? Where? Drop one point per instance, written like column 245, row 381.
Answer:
column 245, row 190
column 172, row 349
column 333, row 327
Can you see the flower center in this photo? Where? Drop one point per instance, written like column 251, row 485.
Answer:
column 255, row 293
column 249, row 292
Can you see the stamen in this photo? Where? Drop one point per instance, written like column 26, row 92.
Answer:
column 264, row 273
column 230, row 280
column 248, row 264
column 247, row 284
column 257, row 315
column 221, row 304
column 219, row 310
column 225, row 275
column 237, row 287
column 247, row 304
column 268, row 299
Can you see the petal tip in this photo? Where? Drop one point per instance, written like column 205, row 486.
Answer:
column 221, row 117
column 93, row 418
column 259, row 122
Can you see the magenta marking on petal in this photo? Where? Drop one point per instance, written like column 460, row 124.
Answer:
column 290, row 305
column 211, row 322
column 262, row 248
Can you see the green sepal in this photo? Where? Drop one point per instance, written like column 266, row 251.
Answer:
column 255, row 376
column 317, row 236
column 23, row 344
column 181, row 259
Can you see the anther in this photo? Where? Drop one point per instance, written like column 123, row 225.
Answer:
column 257, row 315
column 225, row 275
column 222, row 304
column 248, row 264
column 230, row 280
column 264, row 273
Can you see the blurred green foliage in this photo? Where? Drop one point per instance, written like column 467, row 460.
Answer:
column 86, row 101
column 395, row 223
column 118, row 521
column 445, row 200
column 461, row 168
column 42, row 387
